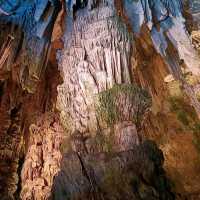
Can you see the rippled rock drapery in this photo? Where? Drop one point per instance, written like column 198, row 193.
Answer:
column 166, row 25
column 35, row 19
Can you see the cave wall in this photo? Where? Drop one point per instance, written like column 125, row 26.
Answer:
column 106, row 51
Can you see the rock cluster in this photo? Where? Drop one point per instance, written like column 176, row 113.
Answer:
column 42, row 161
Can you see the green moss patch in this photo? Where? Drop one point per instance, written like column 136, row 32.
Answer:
column 123, row 102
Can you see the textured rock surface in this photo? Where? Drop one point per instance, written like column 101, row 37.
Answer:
column 196, row 39
column 18, row 107
column 166, row 123
column 18, row 111
column 42, row 161
column 96, row 56
column 195, row 10
column 166, row 24
column 35, row 20
column 11, row 141
column 110, row 49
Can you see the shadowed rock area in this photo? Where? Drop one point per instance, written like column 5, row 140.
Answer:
column 134, row 174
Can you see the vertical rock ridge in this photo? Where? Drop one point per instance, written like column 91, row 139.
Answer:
column 95, row 58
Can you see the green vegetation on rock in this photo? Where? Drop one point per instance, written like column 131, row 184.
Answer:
column 123, row 102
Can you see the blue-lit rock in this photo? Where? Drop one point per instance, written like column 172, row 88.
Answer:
column 166, row 23
column 36, row 19
column 41, row 14
column 135, row 11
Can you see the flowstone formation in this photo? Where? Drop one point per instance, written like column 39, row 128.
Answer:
column 96, row 57
column 42, row 161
